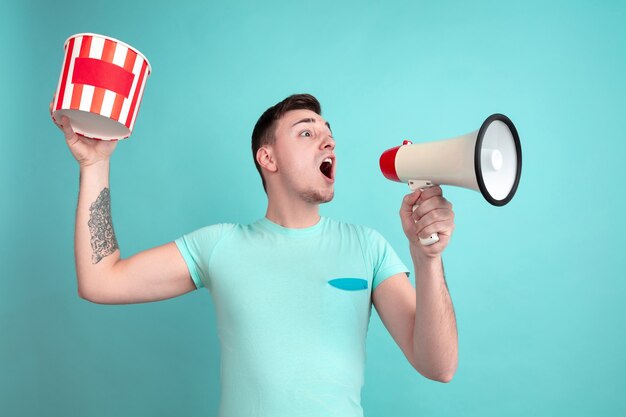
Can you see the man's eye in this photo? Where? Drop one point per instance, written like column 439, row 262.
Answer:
column 306, row 134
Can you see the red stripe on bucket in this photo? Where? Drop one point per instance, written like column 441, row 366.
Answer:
column 98, row 94
column 131, row 111
column 129, row 63
column 66, row 69
column 78, row 88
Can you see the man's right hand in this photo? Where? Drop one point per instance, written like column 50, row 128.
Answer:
column 86, row 151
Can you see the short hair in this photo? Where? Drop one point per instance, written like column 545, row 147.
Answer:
column 265, row 128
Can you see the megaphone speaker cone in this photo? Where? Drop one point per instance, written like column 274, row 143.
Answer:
column 498, row 159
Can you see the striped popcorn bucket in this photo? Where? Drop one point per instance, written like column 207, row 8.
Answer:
column 101, row 86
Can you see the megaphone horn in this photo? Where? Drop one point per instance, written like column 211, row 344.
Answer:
column 488, row 160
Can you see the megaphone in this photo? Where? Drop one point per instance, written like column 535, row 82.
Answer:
column 488, row 160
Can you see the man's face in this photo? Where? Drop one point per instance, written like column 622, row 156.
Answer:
column 304, row 155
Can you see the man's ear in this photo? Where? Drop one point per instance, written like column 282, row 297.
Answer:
column 265, row 158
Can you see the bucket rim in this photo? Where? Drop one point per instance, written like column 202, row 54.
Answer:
column 111, row 39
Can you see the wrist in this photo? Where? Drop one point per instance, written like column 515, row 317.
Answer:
column 94, row 165
column 96, row 174
column 418, row 254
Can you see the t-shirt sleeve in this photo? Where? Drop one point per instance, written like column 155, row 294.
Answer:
column 197, row 248
column 385, row 260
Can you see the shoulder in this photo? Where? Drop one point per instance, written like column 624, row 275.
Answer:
column 217, row 228
column 213, row 231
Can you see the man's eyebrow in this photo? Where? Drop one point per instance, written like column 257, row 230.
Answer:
column 309, row 120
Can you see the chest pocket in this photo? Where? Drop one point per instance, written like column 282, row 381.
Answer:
column 346, row 308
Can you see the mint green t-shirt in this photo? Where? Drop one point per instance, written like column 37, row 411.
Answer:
column 293, row 308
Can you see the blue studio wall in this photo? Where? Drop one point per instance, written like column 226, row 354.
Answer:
column 537, row 285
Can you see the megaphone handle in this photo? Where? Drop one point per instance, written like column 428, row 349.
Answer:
column 422, row 185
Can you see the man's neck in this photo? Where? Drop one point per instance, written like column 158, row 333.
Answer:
column 294, row 214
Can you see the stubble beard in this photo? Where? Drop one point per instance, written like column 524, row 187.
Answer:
column 317, row 196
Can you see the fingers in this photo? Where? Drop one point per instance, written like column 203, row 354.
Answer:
column 51, row 115
column 433, row 203
column 66, row 127
column 434, row 214
column 54, row 120
column 409, row 201
column 435, row 221
column 430, row 192
column 57, row 124
column 64, row 124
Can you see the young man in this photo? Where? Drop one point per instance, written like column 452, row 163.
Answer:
column 293, row 291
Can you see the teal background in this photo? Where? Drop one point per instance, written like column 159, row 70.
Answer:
column 537, row 285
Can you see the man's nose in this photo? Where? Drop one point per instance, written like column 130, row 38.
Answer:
column 328, row 143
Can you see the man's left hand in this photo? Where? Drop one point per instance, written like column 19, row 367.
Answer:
column 434, row 215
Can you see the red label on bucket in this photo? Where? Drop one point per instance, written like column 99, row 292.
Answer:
column 91, row 71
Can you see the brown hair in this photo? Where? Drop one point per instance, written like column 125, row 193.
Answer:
column 265, row 128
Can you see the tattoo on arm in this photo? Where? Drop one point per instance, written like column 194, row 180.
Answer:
column 103, row 241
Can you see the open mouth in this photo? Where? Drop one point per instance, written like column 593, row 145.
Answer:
column 327, row 168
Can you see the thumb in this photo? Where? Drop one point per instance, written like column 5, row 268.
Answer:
column 66, row 127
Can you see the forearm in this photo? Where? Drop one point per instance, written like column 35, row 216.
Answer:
column 95, row 245
column 435, row 340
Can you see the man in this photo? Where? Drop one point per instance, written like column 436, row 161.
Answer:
column 293, row 291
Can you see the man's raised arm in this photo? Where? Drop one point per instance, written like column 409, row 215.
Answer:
column 95, row 246
column 155, row 274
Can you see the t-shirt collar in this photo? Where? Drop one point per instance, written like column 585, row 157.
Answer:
column 267, row 223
